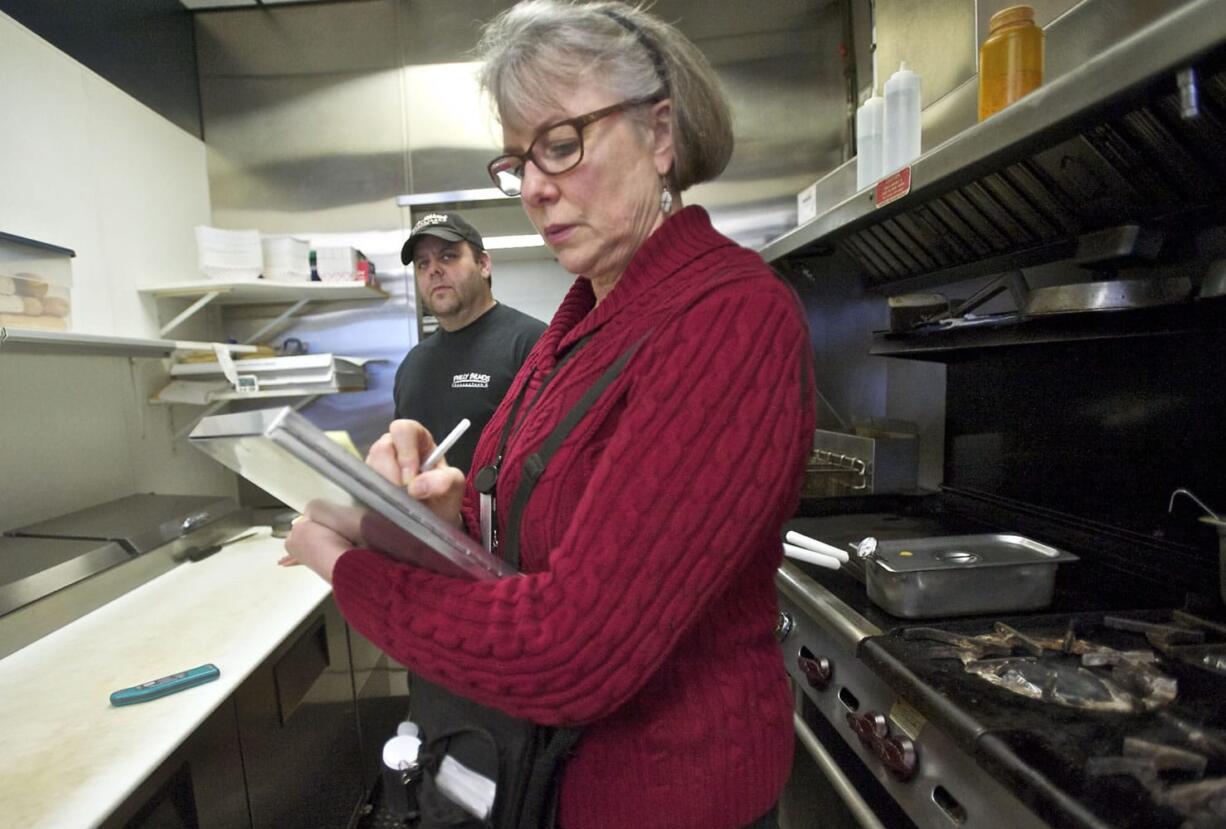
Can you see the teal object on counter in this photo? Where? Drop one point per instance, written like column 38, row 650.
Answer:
column 156, row 688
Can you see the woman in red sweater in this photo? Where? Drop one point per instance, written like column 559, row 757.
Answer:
column 646, row 610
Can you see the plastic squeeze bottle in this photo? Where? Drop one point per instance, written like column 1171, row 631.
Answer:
column 870, row 152
column 1010, row 60
column 902, row 118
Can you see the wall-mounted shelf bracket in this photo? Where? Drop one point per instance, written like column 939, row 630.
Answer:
column 188, row 312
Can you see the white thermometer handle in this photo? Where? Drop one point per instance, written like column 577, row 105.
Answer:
column 816, row 546
column 801, row 554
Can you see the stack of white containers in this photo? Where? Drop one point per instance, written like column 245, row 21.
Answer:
column 888, row 130
column 287, row 259
column 229, row 255
column 336, row 264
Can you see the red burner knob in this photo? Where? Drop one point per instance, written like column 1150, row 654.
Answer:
column 870, row 727
column 897, row 754
column 817, row 670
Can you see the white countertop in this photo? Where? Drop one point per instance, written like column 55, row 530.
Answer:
column 69, row 758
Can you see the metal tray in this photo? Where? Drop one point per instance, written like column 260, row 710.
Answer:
column 962, row 575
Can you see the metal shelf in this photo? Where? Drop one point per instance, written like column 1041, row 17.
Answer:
column 96, row 344
column 219, row 400
column 228, row 396
column 953, row 344
column 296, row 295
column 1102, row 145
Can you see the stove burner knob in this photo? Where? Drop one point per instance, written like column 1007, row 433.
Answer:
column 784, row 625
column 870, row 727
column 817, row 670
column 899, row 756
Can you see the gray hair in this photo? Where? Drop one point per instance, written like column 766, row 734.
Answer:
column 537, row 49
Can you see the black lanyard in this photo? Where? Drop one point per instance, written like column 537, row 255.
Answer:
column 535, row 463
column 486, row 479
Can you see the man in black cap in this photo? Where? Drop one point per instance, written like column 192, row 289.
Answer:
column 464, row 369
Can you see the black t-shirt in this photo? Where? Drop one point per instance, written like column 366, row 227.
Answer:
column 452, row 375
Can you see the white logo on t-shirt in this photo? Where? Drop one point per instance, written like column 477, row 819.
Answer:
column 471, row 380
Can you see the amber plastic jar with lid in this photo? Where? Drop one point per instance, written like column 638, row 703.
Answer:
column 1010, row 60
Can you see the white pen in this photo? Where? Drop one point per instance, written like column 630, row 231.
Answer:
column 437, row 455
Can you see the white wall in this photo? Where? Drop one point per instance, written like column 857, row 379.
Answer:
column 87, row 167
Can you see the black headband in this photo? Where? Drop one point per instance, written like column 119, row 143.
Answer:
column 656, row 58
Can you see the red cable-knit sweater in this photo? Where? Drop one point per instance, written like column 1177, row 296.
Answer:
column 649, row 545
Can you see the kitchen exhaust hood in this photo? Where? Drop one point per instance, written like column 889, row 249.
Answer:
column 1136, row 135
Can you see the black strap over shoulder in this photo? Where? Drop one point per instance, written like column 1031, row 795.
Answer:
column 534, row 464
column 523, row 758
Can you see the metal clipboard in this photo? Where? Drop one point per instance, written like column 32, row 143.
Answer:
column 286, row 455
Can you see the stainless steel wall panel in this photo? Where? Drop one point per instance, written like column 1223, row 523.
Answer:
column 293, row 153
column 450, row 129
column 442, row 31
column 1045, row 13
column 303, row 115
column 936, row 39
column 1091, row 26
column 945, row 118
column 704, row 21
column 786, row 89
column 322, row 39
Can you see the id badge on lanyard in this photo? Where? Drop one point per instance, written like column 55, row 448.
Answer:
column 487, row 476
column 487, row 522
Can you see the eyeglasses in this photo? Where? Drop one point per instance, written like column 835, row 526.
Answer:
column 555, row 149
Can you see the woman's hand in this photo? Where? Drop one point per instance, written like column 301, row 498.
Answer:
column 397, row 456
column 316, row 546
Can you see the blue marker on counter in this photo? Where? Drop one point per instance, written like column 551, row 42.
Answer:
column 155, row 688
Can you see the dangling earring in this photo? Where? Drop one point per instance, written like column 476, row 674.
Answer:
column 666, row 199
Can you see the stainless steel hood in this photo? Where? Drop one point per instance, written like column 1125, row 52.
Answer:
column 1116, row 141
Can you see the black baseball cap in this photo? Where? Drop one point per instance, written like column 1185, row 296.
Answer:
column 450, row 227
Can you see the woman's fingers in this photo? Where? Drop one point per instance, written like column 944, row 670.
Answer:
column 382, row 459
column 438, row 482
column 316, row 546
column 442, row 490
column 346, row 521
column 398, row 455
column 412, row 443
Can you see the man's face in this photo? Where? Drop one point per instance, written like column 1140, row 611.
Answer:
column 450, row 279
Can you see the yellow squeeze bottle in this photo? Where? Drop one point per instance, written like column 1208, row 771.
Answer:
column 1010, row 60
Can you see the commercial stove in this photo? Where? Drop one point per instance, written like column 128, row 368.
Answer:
column 1106, row 709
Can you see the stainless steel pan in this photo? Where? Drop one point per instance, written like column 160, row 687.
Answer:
column 959, row 575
